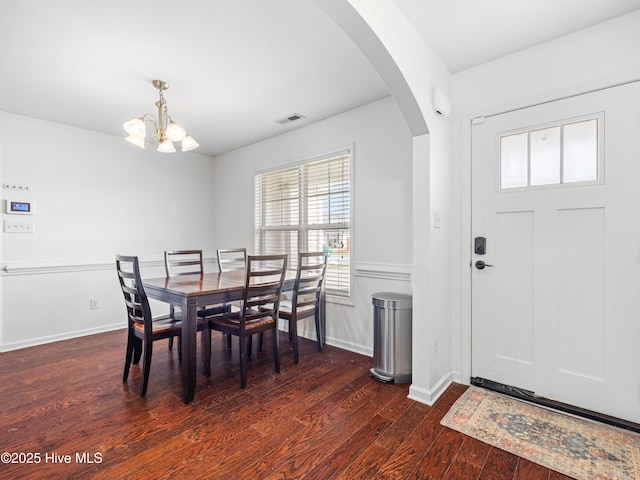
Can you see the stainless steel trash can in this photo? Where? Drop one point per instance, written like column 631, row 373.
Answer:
column 392, row 337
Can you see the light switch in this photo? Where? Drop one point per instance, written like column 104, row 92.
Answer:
column 437, row 219
column 19, row 226
column 13, row 186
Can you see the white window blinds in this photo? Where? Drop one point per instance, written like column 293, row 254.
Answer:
column 306, row 208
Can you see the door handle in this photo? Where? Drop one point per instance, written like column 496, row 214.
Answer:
column 480, row 265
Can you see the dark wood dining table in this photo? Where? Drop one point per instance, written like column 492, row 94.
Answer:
column 190, row 292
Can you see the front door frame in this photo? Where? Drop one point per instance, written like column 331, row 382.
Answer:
column 466, row 214
column 466, row 269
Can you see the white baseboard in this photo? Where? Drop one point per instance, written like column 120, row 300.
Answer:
column 456, row 377
column 32, row 342
column 352, row 347
column 334, row 342
column 429, row 397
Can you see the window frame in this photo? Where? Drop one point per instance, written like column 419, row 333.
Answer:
column 600, row 171
column 302, row 227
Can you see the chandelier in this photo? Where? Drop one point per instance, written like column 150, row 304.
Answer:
column 166, row 130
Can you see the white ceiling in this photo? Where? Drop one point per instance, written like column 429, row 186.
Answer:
column 236, row 66
column 466, row 33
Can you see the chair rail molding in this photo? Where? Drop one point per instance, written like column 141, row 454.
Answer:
column 386, row 271
column 55, row 266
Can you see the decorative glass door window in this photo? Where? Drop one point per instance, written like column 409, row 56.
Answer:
column 562, row 153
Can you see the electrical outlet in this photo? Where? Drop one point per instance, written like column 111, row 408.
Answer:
column 94, row 303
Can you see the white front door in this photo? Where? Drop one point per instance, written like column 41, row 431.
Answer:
column 558, row 312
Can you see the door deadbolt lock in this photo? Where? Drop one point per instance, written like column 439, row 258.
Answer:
column 480, row 265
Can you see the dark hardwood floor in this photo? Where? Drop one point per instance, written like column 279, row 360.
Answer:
column 324, row 418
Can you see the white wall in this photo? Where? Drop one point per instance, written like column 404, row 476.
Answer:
column 381, row 224
column 82, row 189
column 95, row 196
column 592, row 58
column 412, row 70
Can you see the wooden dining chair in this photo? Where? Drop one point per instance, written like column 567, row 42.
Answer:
column 231, row 259
column 142, row 328
column 187, row 262
column 183, row 262
column 305, row 301
column 264, row 277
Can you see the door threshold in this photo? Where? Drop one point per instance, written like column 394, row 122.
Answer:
column 531, row 397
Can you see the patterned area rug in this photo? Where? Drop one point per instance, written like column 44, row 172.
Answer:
column 576, row 447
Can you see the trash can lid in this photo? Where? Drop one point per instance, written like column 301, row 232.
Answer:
column 391, row 300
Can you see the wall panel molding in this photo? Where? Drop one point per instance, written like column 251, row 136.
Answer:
column 385, row 271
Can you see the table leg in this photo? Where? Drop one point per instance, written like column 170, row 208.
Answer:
column 189, row 364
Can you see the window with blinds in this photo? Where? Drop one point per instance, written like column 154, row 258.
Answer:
column 306, row 208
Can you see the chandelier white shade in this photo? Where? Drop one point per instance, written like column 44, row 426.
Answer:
column 166, row 130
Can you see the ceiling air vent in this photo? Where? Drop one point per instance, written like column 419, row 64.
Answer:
column 290, row 118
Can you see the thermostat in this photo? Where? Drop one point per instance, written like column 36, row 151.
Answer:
column 19, row 207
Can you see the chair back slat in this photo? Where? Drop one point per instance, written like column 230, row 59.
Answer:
column 310, row 283
column 183, row 262
column 266, row 273
column 231, row 259
column 262, row 290
column 306, row 303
